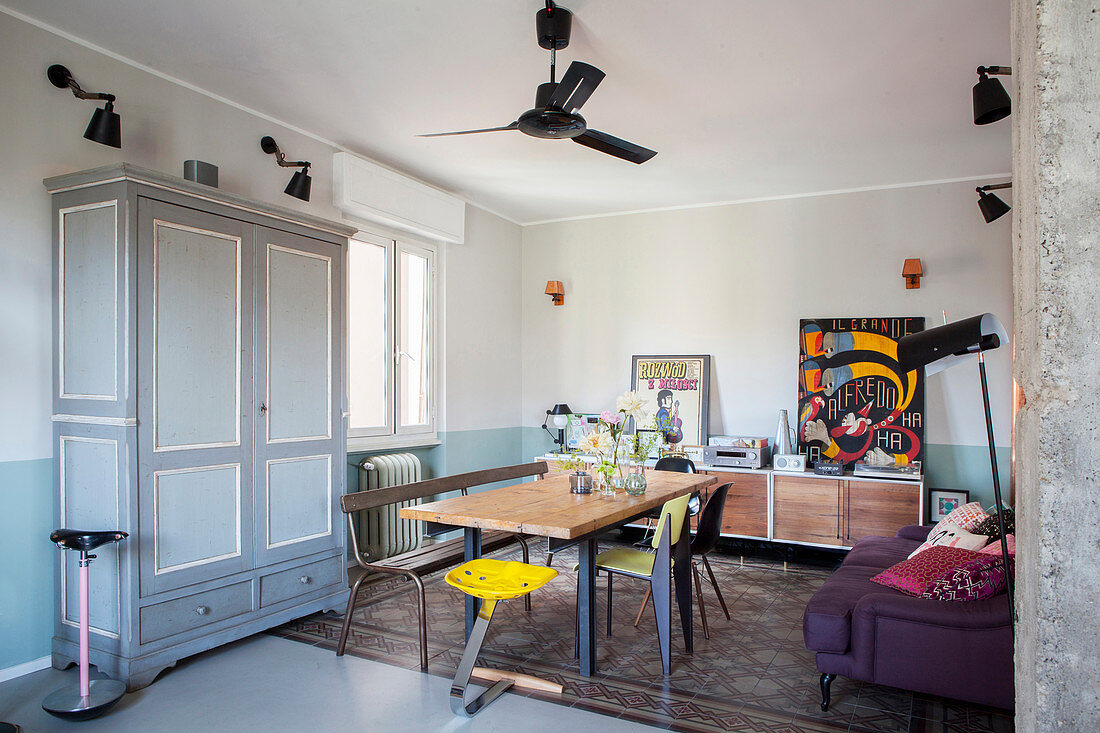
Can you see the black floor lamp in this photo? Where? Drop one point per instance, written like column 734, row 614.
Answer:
column 944, row 347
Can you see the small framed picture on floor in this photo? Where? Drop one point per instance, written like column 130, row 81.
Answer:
column 945, row 501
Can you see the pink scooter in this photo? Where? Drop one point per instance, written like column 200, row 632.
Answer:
column 92, row 697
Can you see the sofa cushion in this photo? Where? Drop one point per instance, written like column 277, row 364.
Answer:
column 827, row 622
column 980, row 578
column 992, row 529
column 951, row 536
column 968, row 516
column 994, row 548
column 918, row 573
column 881, row 552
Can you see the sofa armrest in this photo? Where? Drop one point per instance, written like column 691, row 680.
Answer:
column 915, row 532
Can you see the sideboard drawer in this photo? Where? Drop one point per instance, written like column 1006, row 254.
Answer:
column 190, row 612
column 286, row 584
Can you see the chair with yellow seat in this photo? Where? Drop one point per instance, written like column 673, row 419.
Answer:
column 492, row 581
column 655, row 567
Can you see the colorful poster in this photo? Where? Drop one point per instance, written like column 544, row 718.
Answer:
column 854, row 401
column 676, row 390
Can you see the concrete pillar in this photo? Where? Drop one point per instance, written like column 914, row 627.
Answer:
column 1056, row 282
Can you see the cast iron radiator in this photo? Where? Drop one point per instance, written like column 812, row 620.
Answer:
column 383, row 533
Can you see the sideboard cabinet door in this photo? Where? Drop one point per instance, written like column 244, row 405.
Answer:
column 879, row 508
column 195, row 372
column 806, row 510
column 299, row 434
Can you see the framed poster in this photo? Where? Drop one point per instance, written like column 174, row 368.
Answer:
column 855, row 403
column 945, row 501
column 676, row 390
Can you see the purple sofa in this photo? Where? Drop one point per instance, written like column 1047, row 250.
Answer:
column 866, row 631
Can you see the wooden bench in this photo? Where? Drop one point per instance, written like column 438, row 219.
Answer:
column 439, row 556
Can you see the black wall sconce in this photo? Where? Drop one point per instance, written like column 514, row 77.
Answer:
column 106, row 126
column 992, row 207
column 300, row 182
column 558, row 416
column 991, row 101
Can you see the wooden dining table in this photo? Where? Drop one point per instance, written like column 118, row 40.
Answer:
column 546, row 508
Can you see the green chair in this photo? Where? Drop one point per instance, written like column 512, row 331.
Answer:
column 655, row 567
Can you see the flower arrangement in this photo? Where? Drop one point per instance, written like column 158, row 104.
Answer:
column 606, row 441
column 571, row 462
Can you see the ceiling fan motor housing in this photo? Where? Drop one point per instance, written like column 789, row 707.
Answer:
column 553, row 25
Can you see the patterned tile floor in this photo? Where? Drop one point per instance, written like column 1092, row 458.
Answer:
column 753, row 674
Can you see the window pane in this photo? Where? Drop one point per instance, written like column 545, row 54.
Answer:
column 367, row 342
column 414, row 274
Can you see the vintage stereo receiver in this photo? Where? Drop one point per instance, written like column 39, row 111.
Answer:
column 791, row 462
column 735, row 456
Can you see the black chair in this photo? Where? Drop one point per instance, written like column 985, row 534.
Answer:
column 678, row 464
column 705, row 540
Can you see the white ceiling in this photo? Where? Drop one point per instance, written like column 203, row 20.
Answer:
column 743, row 99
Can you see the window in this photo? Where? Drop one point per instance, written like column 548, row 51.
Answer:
column 391, row 342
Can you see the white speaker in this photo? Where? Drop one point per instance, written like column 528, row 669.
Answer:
column 792, row 462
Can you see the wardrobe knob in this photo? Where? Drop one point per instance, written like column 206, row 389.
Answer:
column 202, row 610
column 304, row 580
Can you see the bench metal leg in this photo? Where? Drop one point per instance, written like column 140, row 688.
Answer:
column 346, row 626
column 459, row 706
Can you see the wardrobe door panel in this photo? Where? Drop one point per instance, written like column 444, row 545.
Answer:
column 299, row 448
column 196, row 414
column 299, row 344
column 197, row 304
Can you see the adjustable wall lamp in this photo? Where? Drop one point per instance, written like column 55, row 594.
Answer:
column 105, row 127
column 991, row 101
column 992, row 207
column 300, row 182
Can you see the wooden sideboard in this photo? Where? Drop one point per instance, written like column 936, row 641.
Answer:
column 807, row 509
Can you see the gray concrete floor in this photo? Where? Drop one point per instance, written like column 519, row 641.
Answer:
column 265, row 683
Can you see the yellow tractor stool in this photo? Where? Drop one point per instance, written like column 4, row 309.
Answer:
column 492, row 581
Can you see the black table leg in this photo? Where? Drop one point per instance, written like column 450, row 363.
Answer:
column 586, row 606
column 472, row 548
column 682, row 566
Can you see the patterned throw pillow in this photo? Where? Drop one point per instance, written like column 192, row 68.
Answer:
column 951, row 536
column 917, row 574
column 980, row 578
column 968, row 516
column 995, row 547
column 990, row 529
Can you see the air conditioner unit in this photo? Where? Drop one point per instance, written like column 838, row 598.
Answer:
column 366, row 190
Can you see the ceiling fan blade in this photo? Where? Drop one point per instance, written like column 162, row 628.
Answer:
column 513, row 126
column 576, row 86
column 614, row 146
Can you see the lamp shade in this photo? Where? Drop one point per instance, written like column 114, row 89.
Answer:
column 945, row 346
column 554, row 287
column 911, row 268
column 559, row 415
column 992, row 207
column 991, row 101
column 299, row 185
column 105, row 127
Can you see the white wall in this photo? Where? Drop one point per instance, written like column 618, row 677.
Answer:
column 733, row 281
column 164, row 124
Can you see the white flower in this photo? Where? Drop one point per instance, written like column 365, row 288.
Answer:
column 597, row 443
column 633, row 405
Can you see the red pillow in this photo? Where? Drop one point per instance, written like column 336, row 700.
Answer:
column 974, row 580
column 917, row 574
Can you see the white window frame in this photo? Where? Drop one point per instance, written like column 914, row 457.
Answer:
column 392, row 434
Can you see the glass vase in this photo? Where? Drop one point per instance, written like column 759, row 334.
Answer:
column 635, row 480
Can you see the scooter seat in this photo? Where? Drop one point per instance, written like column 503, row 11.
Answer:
column 78, row 539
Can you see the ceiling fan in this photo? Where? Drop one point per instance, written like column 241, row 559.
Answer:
column 554, row 115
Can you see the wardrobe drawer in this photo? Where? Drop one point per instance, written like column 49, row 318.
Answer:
column 286, row 584
column 190, row 612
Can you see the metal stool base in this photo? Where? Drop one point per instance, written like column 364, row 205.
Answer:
column 67, row 703
column 459, row 706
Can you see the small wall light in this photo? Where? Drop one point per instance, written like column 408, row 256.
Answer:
column 106, row 126
column 912, row 272
column 992, row 207
column 991, row 101
column 300, row 182
column 556, row 291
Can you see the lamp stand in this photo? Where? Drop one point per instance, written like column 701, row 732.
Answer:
column 997, row 495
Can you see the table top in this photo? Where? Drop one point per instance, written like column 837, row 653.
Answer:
column 546, row 508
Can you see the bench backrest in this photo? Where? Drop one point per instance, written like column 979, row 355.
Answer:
column 374, row 498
